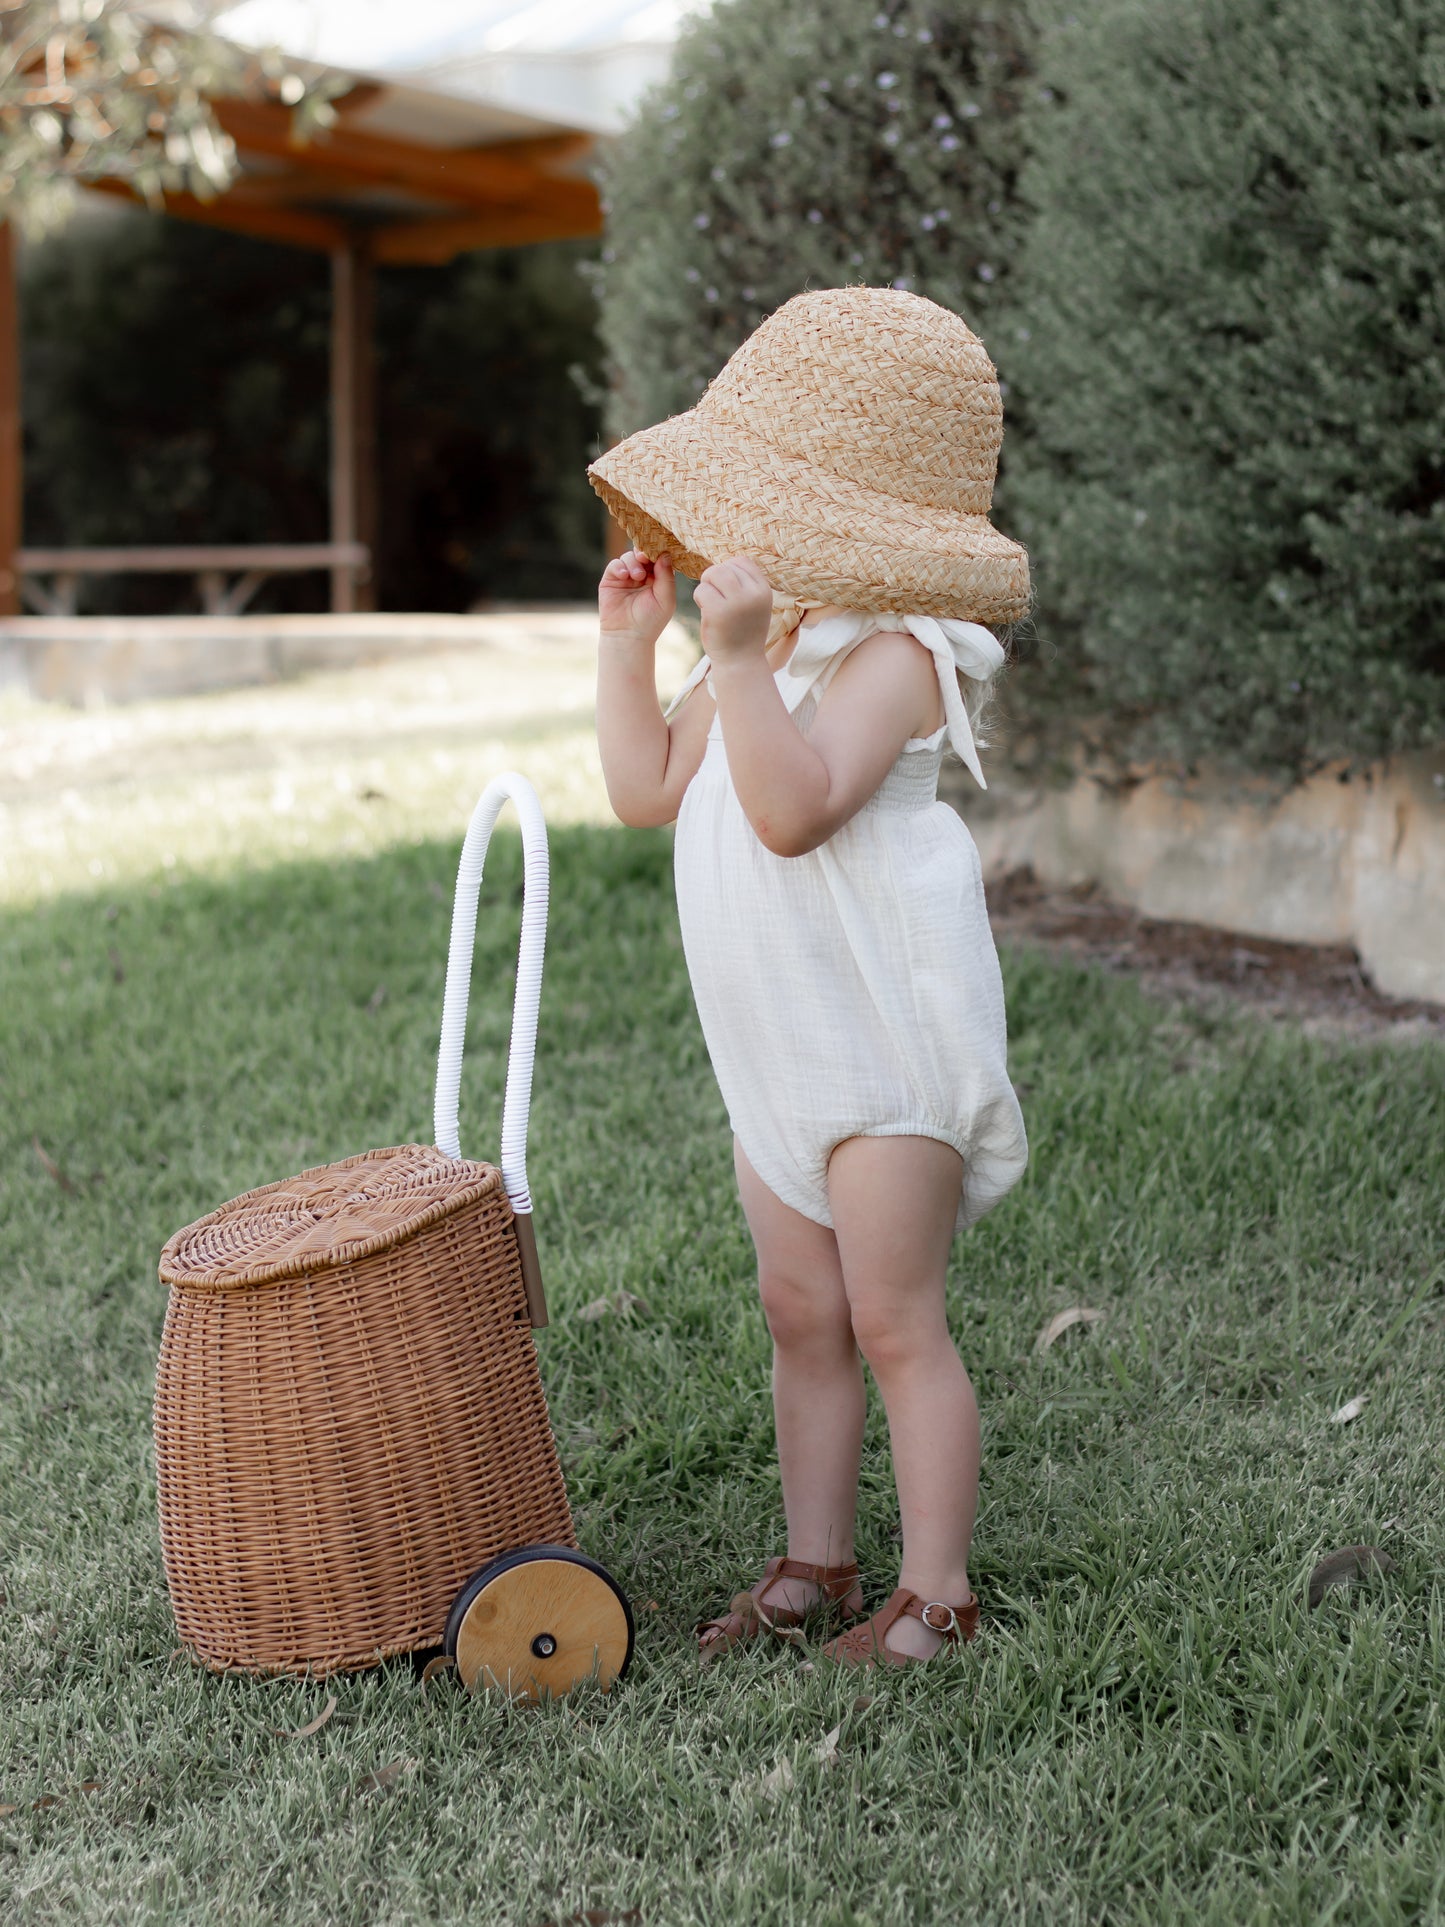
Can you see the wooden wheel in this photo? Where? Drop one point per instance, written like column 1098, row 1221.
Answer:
column 535, row 1623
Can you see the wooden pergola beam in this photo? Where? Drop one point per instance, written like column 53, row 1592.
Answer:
column 10, row 449
column 477, row 177
column 546, row 151
column 293, row 227
column 430, row 243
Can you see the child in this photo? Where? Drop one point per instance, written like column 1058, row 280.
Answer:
column 831, row 491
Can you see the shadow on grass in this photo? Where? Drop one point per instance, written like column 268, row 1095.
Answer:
column 1159, row 1720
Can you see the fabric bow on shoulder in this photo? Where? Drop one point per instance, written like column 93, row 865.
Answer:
column 957, row 648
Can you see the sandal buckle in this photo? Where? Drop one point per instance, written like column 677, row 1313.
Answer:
column 950, row 1624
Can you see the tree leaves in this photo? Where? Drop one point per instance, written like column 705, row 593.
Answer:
column 797, row 146
column 1225, row 333
column 103, row 93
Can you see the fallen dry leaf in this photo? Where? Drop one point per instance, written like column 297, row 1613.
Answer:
column 779, row 1780
column 435, row 1668
column 385, row 1777
column 862, row 1703
column 51, row 1167
column 1063, row 1321
column 311, row 1726
column 620, row 1303
column 375, row 1001
column 1352, row 1408
column 1344, row 1567
column 48, row 1800
column 826, row 1751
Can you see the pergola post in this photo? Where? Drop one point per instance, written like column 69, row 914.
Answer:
column 10, row 466
column 353, row 418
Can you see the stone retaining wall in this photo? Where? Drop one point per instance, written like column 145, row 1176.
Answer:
column 91, row 660
column 1357, row 859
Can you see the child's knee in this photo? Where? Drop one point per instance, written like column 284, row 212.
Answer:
column 802, row 1311
column 893, row 1338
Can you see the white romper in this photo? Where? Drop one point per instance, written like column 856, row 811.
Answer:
column 854, row 991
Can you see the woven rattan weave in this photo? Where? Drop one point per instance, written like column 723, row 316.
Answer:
column 849, row 447
column 349, row 1418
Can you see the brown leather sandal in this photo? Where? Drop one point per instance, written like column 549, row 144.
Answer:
column 864, row 1646
column 750, row 1614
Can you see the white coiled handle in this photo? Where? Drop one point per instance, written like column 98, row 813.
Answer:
column 517, row 1103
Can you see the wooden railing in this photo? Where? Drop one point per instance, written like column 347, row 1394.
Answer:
column 246, row 565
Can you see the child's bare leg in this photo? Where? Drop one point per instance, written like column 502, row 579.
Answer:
column 818, row 1393
column 893, row 1201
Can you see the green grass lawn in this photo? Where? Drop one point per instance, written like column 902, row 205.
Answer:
column 1152, row 1727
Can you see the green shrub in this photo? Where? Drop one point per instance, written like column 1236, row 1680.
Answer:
column 1229, row 332
column 795, row 146
column 175, row 390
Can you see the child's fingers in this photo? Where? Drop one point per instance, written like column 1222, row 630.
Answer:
column 630, row 567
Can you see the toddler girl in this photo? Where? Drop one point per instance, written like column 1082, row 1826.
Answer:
column 831, row 492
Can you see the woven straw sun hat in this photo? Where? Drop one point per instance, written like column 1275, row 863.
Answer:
column 849, row 447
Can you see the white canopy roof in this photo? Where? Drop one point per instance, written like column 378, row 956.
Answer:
column 569, row 63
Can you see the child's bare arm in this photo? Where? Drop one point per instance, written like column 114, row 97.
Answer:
column 647, row 763
column 798, row 791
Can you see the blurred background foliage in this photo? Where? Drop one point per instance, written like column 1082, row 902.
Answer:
column 1228, row 330
column 176, row 391
column 103, row 90
column 1202, row 238
column 798, row 146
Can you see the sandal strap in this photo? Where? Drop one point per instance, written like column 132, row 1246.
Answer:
column 834, row 1582
column 747, row 1614
column 952, row 1623
column 866, row 1644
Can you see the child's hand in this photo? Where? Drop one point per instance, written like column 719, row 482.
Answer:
column 636, row 598
column 735, row 600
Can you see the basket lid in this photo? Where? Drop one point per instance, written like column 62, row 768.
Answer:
column 333, row 1214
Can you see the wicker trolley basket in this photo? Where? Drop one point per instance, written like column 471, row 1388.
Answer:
column 353, row 1452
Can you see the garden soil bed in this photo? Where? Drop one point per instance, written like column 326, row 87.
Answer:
column 1320, row 985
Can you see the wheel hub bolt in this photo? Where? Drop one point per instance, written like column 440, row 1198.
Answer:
column 544, row 1645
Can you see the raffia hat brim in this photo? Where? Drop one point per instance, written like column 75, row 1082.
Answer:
column 700, row 490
